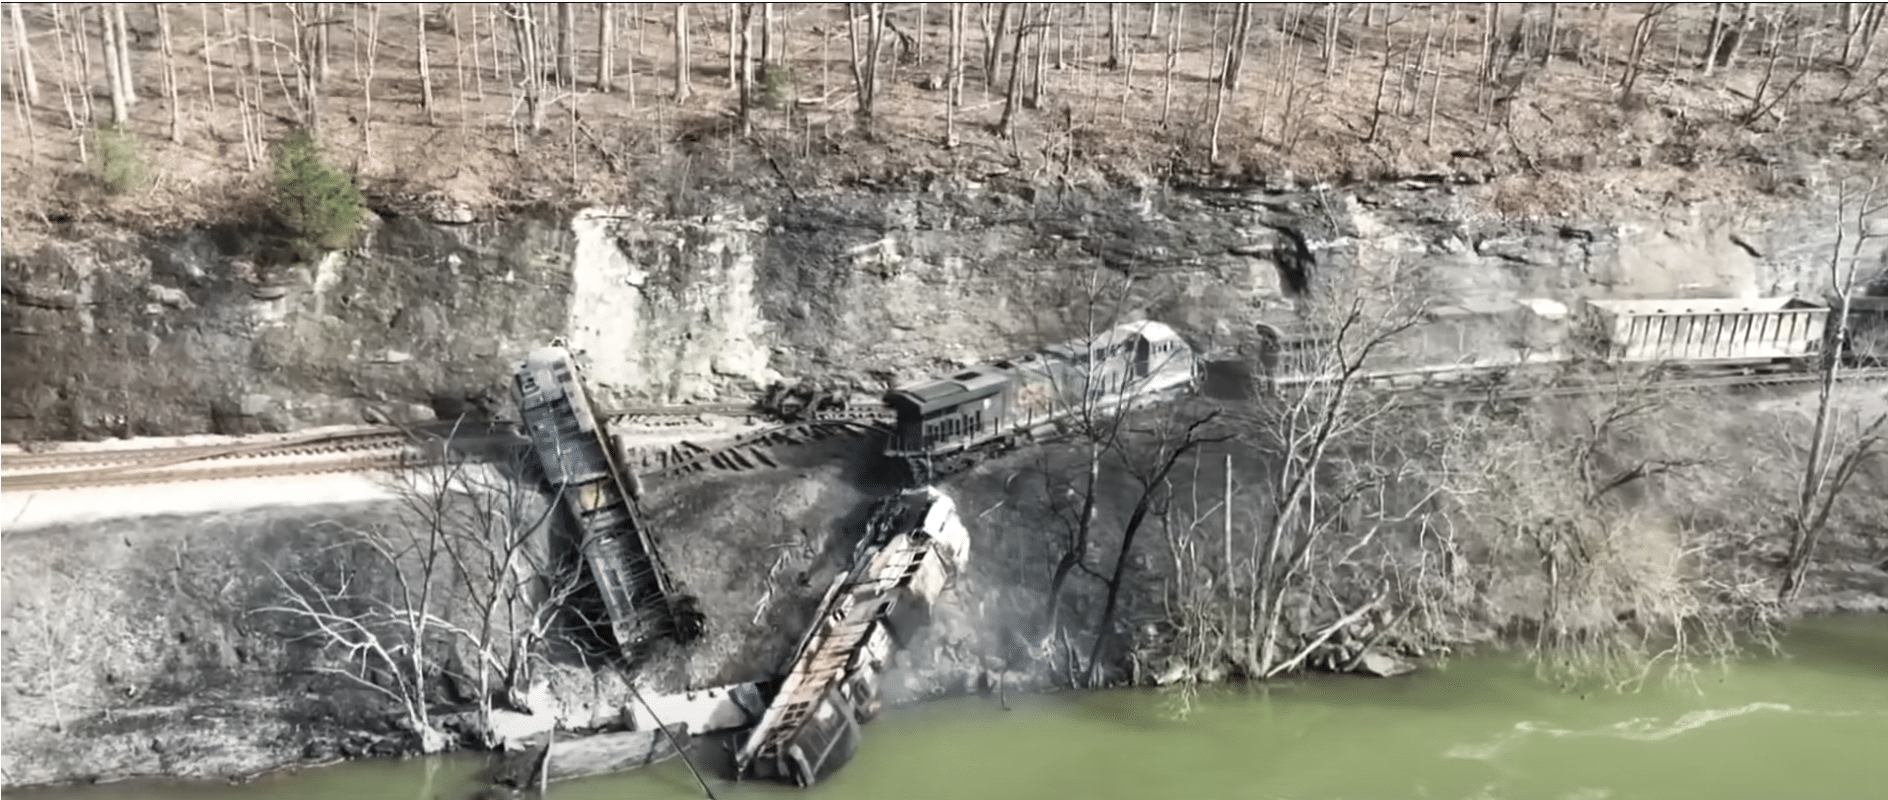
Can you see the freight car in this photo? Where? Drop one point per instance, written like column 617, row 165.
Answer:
column 1692, row 335
column 1126, row 366
column 578, row 466
column 915, row 545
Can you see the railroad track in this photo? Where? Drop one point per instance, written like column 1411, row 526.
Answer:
column 154, row 456
column 1495, row 392
column 353, row 451
column 745, row 452
column 390, row 449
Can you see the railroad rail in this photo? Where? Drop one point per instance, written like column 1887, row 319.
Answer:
column 383, row 448
column 743, row 452
column 351, row 451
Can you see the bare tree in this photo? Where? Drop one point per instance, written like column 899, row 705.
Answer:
column 24, row 46
column 1642, row 33
column 746, row 13
column 1833, row 455
column 606, row 44
column 526, row 41
column 367, row 82
column 867, row 45
column 1236, row 49
column 566, row 45
column 993, row 42
column 1007, row 124
column 1299, row 431
column 426, row 72
column 954, row 75
column 767, row 54
column 170, row 73
column 1173, row 58
column 683, row 89
column 123, row 55
column 306, row 54
column 1174, row 443
column 120, row 103
column 464, row 582
column 1116, row 40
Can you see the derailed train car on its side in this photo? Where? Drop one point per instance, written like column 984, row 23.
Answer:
column 578, row 466
column 905, row 561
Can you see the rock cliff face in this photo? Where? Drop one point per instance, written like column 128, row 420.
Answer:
column 110, row 333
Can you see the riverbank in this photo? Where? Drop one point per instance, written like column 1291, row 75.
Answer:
column 1482, row 727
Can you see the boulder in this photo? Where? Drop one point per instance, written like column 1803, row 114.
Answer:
column 1383, row 665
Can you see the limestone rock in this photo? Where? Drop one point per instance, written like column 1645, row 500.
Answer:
column 1384, row 665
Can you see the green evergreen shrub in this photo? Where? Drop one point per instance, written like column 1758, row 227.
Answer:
column 318, row 202
column 778, row 85
column 117, row 159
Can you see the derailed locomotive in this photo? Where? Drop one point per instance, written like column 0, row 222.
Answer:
column 941, row 419
column 1121, row 368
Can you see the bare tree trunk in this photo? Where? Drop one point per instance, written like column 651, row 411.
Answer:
column 1153, row 21
column 566, row 46
column 426, row 71
column 1733, row 39
column 1641, row 41
column 528, row 42
column 1553, row 33
column 1007, row 124
column 1039, row 74
column 683, row 89
column 1168, row 460
column 866, row 53
column 606, row 41
column 323, row 38
column 1491, row 41
column 954, row 75
column 1713, row 39
column 367, row 87
column 304, row 21
column 734, row 37
column 251, row 89
column 73, row 118
column 209, row 72
column 1173, row 57
column 630, row 54
column 1330, row 38
column 993, row 44
column 1376, row 105
column 23, row 108
column 170, row 74
column 746, row 78
column 123, row 55
column 767, row 54
column 1116, row 41
column 1236, row 51
column 25, row 46
column 1832, row 459
column 120, row 109
column 917, row 40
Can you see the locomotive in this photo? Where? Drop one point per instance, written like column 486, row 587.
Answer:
column 1124, row 367
column 1133, row 364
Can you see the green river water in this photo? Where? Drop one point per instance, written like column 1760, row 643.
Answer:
column 1811, row 725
